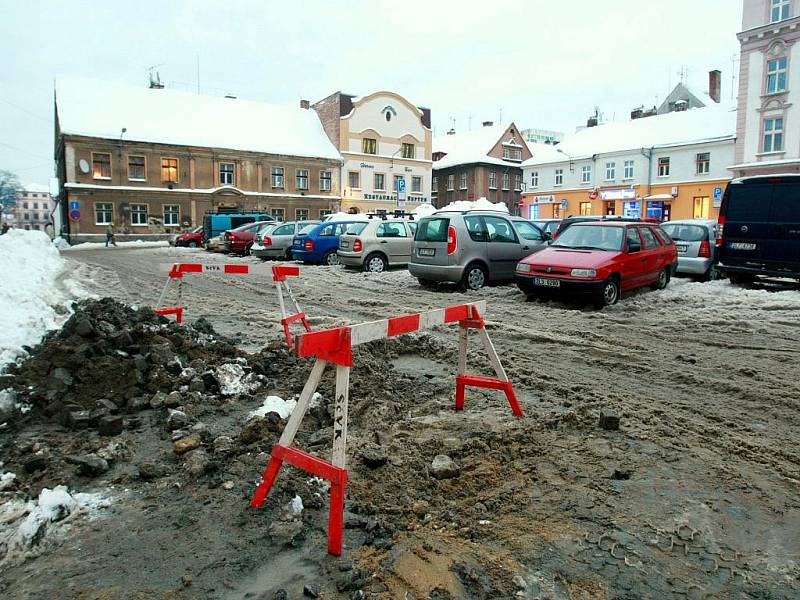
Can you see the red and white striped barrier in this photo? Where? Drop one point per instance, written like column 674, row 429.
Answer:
column 336, row 346
column 279, row 275
column 177, row 272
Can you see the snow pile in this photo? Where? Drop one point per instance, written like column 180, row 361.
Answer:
column 423, row 210
column 341, row 216
column 61, row 243
column 479, row 204
column 7, row 480
column 233, row 381
column 31, row 302
column 274, row 404
column 133, row 244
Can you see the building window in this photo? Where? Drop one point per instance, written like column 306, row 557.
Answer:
column 24, row 205
column 226, row 173
column 585, row 208
column 36, row 206
column 279, row 214
column 492, row 180
column 505, row 181
column 136, row 171
column 369, row 146
column 354, row 180
column 512, row 153
column 172, row 215
column 434, row 184
column 534, row 179
column 277, row 177
column 628, row 173
column 103, row 213
column 776, row 75
column 701, row 207
column 611, row 171
column 397, row 179
column 518, row 182
column 325, row 181
column 559, row 178
column 101, row 165
column 780, row 10
column 301, row 179
column 139, row 214
column 586, row 174
column 35, row 216
column 773, row 135
column 45, row 205
column 463, row 179
column 169, row 170
column 416, row 185
column 380, row 182
column 26, row 217
column 450, row 182
column 409, row 151
column 663, row 167
column 324, row 212
column 301, row 214
column 703, row 162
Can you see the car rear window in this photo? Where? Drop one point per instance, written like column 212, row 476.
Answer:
column 355, row 228
column 685, row 233
column 283, row 229
column 307, row 228
column 432, row 230
column 786, row 203
column 748, row 202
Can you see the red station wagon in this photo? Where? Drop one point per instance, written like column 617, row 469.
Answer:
column 600, row 260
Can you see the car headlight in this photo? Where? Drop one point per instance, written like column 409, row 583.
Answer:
column 584, row 273
column 523, row 267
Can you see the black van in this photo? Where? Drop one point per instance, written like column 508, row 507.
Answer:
column 760, row 228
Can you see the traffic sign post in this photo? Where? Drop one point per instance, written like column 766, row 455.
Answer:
column 74, row 215
column 401, row 193
column 717, row 197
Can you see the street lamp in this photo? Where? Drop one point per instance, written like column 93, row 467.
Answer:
column 571, row 168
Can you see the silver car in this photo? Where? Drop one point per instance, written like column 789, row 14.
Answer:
column 696, row 241
column 472, row 247
column 275, row 240
column 375, row 244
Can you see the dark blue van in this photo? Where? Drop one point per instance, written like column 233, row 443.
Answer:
column 215, row 224
column 760, row 228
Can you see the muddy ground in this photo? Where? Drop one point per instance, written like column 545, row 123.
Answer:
column 697, row 495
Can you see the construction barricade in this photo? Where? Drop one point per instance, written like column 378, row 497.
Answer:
column 279, row 275
column 335, row 346
column 177, row 272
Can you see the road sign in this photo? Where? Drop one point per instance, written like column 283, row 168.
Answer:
column 592, row 195
column 563, row 203
column 74, row 215
column 717, row 197
column 401, row 186
column 74, row 205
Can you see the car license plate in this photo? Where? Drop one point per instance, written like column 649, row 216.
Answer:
column 742, row 246
column 682, row 247
column 344, row 244
column 544, row 282
column 426, row 252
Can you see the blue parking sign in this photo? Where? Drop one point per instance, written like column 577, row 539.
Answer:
column 717, row 193
column 401, row 186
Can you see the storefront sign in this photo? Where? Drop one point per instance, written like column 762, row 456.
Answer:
column 544, row 199
column 618, row 195
column 367, row 166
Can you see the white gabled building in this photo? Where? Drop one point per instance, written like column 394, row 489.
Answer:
column 669, row 166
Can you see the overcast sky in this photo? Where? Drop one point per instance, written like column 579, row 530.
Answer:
column 545, row 64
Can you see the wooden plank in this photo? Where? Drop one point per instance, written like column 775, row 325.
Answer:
column 340, row 416
column 287, row 437
column 462, row 351
column 493, row 358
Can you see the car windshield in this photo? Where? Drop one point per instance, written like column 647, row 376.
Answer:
column 685, row 233
column 355, row 228
column 591, row 237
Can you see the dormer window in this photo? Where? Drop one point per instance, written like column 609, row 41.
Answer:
column 389, row 112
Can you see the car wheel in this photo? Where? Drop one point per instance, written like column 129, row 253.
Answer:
column 375, row 263
column 474, row 278
column 662, row 281
column 192, row 244
column 331, row 259
column 288, row 254
column 247, row 249
column 610, row 293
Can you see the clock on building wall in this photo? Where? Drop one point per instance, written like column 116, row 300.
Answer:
column 84, row 166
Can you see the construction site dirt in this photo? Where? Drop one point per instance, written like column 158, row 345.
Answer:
column 657, row 459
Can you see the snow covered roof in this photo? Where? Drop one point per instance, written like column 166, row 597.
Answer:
column 37, row 188
column 102, row 109
column 470, row 147
column 671, row 129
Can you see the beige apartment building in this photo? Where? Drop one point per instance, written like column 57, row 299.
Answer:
column 33, row 208
column 385, row 142
column 151, row 162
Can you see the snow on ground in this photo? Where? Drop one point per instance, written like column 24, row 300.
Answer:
column 96, row 245
column 32, row 300
column 274, row 404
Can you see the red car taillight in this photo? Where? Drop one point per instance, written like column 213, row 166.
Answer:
column 357, row 246
column 705, row 249
column 720, row 231
column 309, row 245
column 452, row 240
column 266, row 241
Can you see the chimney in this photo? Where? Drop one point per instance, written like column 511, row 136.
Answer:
column 451, row 132
column 714, row 83
column 591, row 122
column 488, row 123
column 305, row 104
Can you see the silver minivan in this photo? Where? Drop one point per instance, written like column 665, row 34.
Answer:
column 472, row 247
column 375, row 244
column 696, row 241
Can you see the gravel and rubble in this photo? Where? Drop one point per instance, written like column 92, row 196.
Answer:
column 656, row 458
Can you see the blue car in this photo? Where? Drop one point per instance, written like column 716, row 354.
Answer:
column 320, row 244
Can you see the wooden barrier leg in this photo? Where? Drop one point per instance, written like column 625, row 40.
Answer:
column 462, row 365
column 511, row 396
column 336, row 514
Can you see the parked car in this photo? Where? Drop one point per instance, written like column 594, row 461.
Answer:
column 472, row 247
column 320, row 243
column 214, row 244
column 376, row 244
column 600, row 260
column 218, row 223
column 696, row 241
column 275, row 240
column 192, row 238
column 239, row 240
column 759, row 223
column 549, row 226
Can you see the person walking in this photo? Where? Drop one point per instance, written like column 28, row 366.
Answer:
column 110, row 235
column 4, row 229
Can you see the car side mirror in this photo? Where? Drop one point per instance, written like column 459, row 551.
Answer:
column 634, row 248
